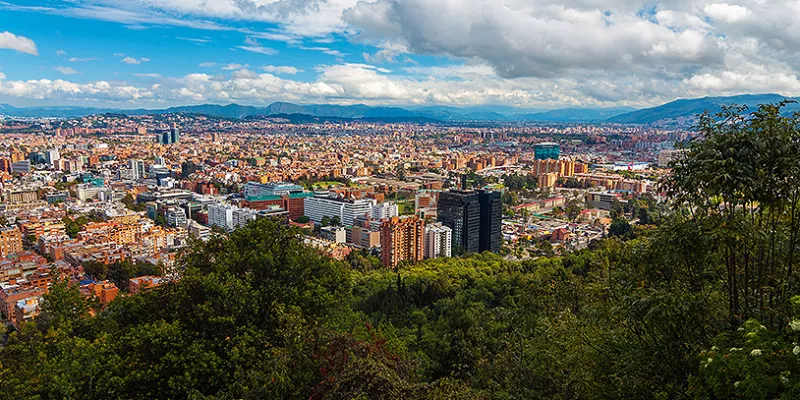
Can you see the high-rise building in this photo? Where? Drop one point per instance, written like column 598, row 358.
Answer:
column 491, row 238
column 460, row 210
column 544, row 151
column 402, row 239
column 438, row 240
column 175, row 135
column 10, row 241
column 52, row 155
column 137, row 169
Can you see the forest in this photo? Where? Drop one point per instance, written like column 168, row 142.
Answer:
column 702, row 303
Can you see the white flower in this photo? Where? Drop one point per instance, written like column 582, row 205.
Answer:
column 714, row 348
column 796, row 350
column 736, row 384
column 784, row 380
column 795, row 324
column 735, row 349
column 756, row 353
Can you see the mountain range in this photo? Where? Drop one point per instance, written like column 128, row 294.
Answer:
column 676, row 112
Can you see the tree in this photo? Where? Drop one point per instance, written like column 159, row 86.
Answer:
column 325, row 221
column 620, row 227
column 336, row 221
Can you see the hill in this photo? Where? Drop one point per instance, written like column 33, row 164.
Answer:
column 689, row 108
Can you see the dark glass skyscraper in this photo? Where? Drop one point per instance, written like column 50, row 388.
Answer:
column 460, row 211
column 175, row 135
column 491, row 221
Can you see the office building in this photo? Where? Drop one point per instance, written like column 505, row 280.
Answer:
column 438, row 240
column 547, row 150
column 175, row 135
column 51, row 156
column 254, row 190
column 460, row 210
column 322, row 205
column 336, row 234
column 491, row 238
column 402, row 240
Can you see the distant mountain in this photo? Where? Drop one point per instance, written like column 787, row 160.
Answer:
column 574, row 114
column 678, row 112
column 686, row 109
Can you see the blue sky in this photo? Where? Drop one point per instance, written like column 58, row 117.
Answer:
column 524, row 53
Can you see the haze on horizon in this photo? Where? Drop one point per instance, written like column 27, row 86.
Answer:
column 528, row 54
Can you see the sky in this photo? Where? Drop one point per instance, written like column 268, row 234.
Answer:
column 529, row 54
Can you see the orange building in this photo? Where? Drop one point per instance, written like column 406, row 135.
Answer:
column 10, row 241
column 402, row 239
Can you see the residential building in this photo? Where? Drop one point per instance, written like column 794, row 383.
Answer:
column 438, row 240
column 402, row 240
column 10, row 241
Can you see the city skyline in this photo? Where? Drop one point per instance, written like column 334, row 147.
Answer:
column 386, row 52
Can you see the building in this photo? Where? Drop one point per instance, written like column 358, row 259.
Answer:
column 322, row 205
column 547, row 150
column 175, row 135
column 137, row 169
column 438, row 241
column 490, row 237
column 10, row 241
column 198, row 231
column 22, row 167
column 221, row 215
column 384, row 211
column 142, row 283
column 460, row 210
column 255, row 189
column 548, row 180
column 175, row 216
column 402, row 240
column 51, row 156
column 336, row 234
column 665, row 157
column 25, row 310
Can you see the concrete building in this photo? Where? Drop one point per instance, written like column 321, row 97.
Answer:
column 438, row 241
column 385, row 210
column 336, row 234
column 547, row 150
column 175, row 216
column 402, row 240
column 322, row 205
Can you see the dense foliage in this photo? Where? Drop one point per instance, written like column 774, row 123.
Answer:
column 704, row 305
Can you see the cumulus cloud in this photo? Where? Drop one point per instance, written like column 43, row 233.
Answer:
column 281, row 69
column 134, row 61
column 234, row 66
column 21, row 44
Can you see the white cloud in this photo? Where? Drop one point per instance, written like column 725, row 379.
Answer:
column 252, row 45
column 207, row 64
column 233, row 66
column 726, row 12
column 134, row 61
column 281, row 69
column 84, row 59
column 61, row 53
column 66, row 70
column 21, row 44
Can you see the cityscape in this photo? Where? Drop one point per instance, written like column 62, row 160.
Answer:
column 399, row 199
